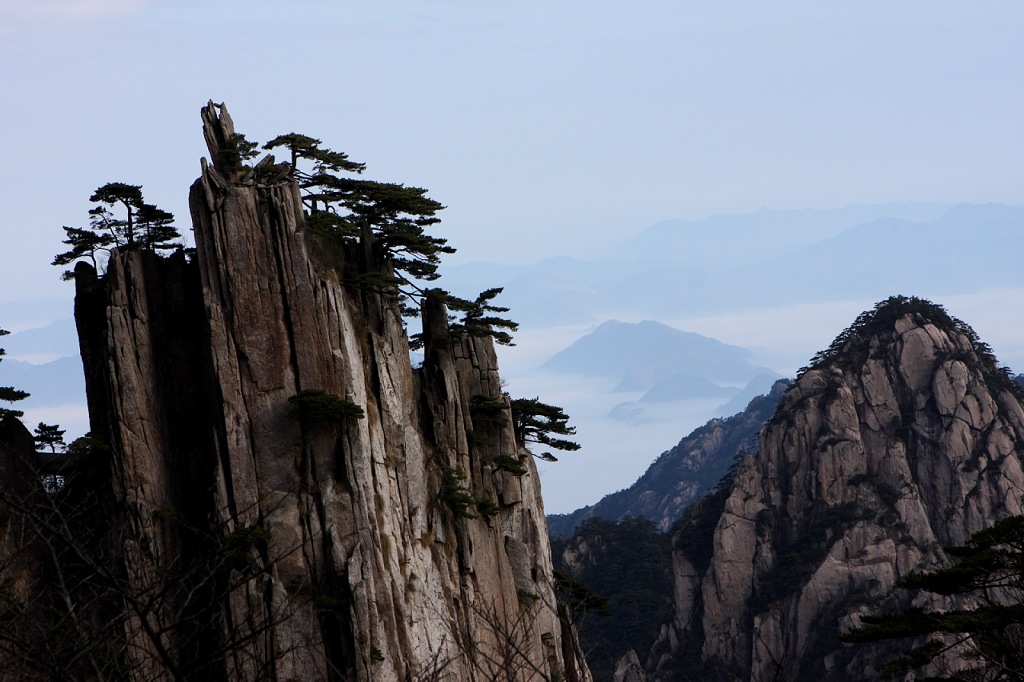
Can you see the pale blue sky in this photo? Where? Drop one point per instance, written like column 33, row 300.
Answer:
column 542, row 125
column 547, row 128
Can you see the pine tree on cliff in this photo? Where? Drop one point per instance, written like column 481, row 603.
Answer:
column 388, row 218
column 391, row 216
column 9, row 394
column 480, row 318
column 989, row 636
column 540, row 423
column 121, row 219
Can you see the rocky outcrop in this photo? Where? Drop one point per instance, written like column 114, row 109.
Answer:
column 629, row 669
column 683, row 474
column 901, row 439
column 382, row 544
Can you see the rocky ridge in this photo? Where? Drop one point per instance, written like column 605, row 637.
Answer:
column 902, row 438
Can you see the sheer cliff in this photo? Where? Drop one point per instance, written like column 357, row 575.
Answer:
column 370, row 532
column 902, row 438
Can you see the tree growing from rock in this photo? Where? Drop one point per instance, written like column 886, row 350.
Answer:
column 9, row 394
column 542, row 424
column 383, row 215
column 390, row 219
column 480, row 318
column 120, row 219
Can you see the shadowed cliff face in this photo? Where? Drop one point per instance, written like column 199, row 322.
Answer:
column 345, row 557
column 903, row 440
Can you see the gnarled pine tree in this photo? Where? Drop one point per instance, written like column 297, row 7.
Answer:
column 121, row 218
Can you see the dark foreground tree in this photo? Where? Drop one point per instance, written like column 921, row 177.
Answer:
column 85, row 607
column 50, row 436
column 9, row 394
column 983, row 640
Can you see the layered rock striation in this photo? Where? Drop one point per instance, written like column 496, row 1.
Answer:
column 902, row 438
column 387, row 542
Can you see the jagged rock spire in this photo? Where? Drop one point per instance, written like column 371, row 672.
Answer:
column 218, row 127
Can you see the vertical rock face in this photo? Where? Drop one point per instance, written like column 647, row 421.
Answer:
column 338, row 549
column 903, row 438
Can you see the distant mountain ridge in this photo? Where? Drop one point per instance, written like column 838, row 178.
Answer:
column 52, row 383
column 52, row 341
column 679, row 268
column 763, row 234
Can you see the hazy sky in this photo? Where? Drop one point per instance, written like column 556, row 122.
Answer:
column 544, row 126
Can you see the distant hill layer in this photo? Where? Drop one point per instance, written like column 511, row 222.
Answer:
column 60, row 382
column 679, row 268
column 643, row 354
column 683, row 474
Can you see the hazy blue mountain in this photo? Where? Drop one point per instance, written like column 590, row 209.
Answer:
column 754, row 237
column 566, row 301
column 684, row 387
column 550, row 292
column 27, row 314
column 679, row 268
column 53, row 383
column 57, row 339
column 759, row 385
column 682, row 474
column 644, row 353
column 968, row 248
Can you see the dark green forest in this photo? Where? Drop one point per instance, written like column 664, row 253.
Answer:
column 629, row 564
